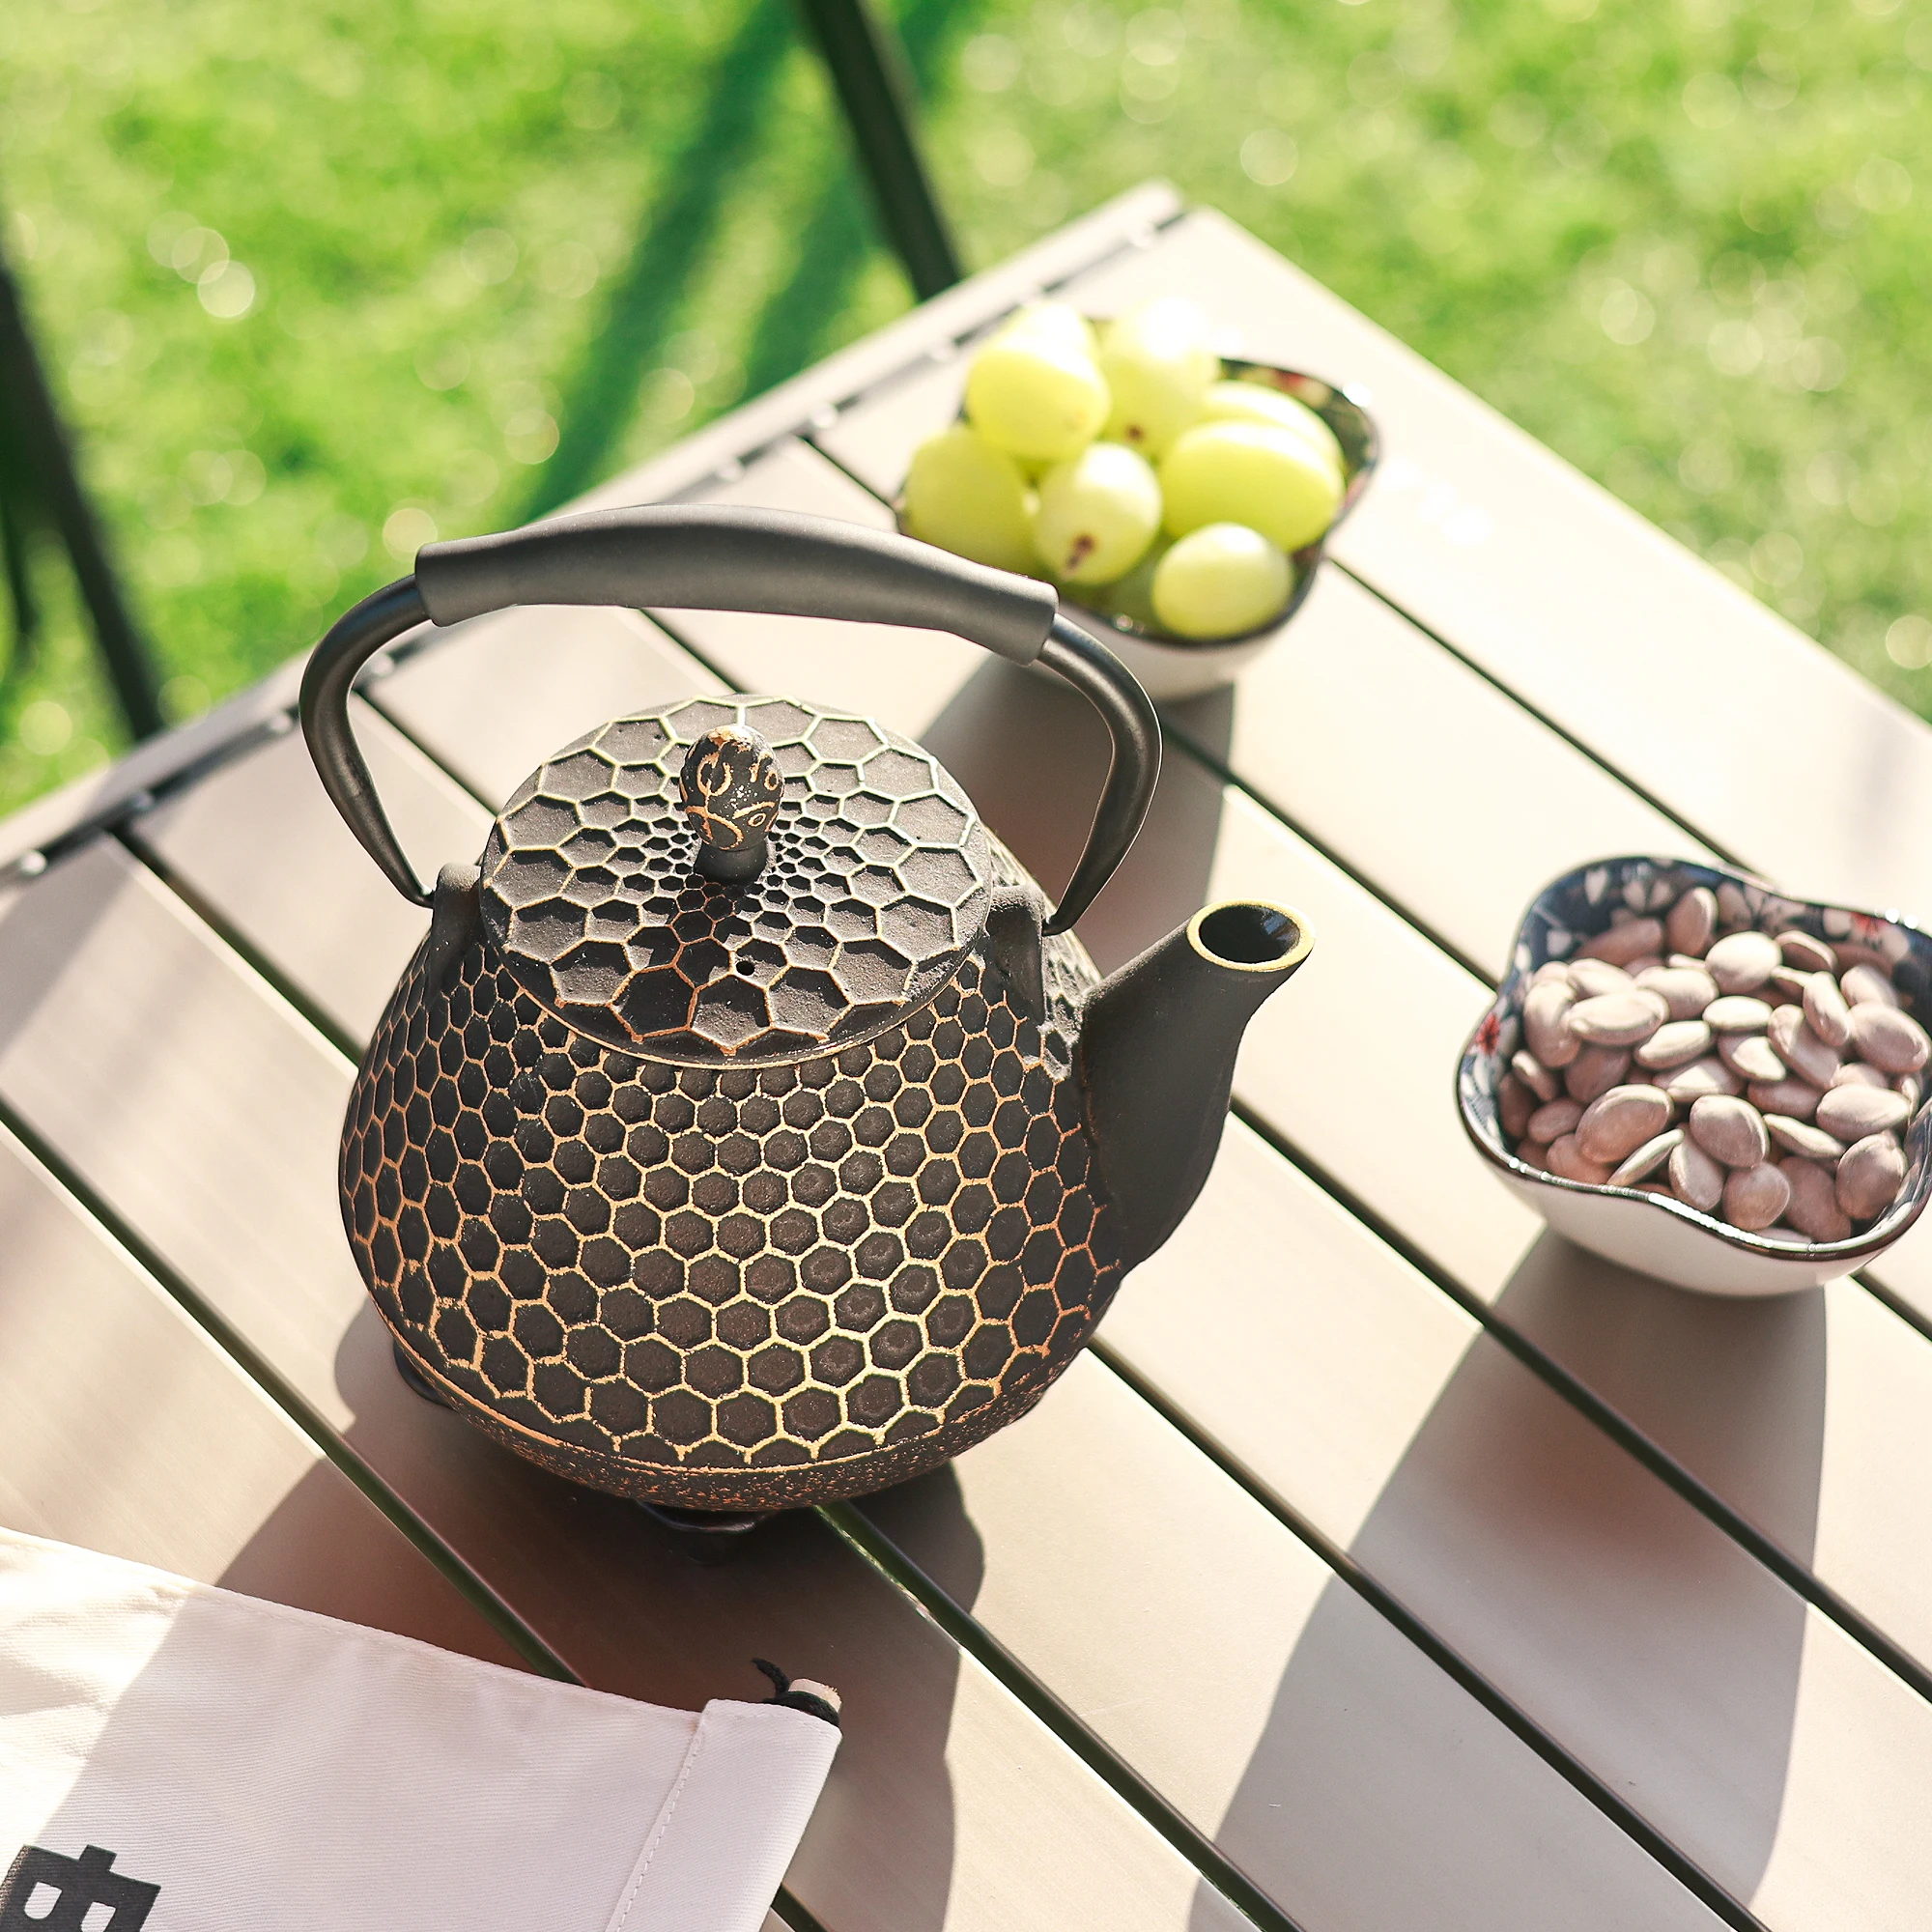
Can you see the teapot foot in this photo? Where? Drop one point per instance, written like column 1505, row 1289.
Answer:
column 709, row 1537
column 414, row 1377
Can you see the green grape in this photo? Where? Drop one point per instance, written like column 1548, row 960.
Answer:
column 1158, row 364
column 1052, row 321
column 1219, row 581
column 1097, row 513
column 1032, row 395
column 969, row 498
column 1252, row 402
column 1132, row 596
column 1252, row 474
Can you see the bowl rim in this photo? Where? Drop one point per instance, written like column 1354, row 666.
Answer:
column 1897, row 1219
column 1336, row 396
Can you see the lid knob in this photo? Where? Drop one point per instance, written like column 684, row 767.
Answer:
column 731, row 791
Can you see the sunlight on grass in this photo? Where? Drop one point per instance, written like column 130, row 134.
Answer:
column 1686, row 245
column 317, row 284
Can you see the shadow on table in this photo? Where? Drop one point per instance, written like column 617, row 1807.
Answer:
column 630, row 1613
column 643, row 303
column 1031, row 753
column 1733, row 1389
column 1627, row 1626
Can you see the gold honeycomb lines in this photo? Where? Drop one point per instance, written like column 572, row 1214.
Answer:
column 730, row 1287
column 874, row 884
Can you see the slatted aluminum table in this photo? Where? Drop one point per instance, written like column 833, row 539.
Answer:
column 1389, row 1563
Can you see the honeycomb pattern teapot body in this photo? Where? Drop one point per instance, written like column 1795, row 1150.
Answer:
column 746, row 1132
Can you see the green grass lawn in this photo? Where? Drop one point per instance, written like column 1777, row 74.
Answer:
column 315, row 283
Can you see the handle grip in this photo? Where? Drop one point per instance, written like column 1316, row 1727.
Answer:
column 696, row 557
column 712, row 557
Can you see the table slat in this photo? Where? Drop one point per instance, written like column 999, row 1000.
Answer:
column 1758, row 1736
column 1421, row 776
column 1434, row 533
column 124, row 1429
column 1399, row 1013
column 223, row 832
column 528, row 682
column 1251, row 852
column 98, row 795
column 194, row 1101
column 1201, row 841
column 1549, row 584
column 1418, row 774
column 1528, row 1806
column 1338, row 1766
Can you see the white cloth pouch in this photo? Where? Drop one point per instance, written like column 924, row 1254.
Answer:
column 176, row 1758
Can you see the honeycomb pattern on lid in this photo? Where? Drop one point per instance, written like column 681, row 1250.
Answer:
column 876, row 885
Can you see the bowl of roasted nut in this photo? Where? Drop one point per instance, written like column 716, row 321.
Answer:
column 1704, row 1079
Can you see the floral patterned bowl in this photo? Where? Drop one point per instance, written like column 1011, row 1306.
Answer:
column 1652, row 1233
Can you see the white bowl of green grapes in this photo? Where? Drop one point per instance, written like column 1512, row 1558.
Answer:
column 1178, row 499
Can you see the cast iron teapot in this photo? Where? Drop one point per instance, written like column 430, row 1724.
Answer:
column 748, row 1131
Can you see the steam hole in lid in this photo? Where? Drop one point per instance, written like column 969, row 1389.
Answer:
column 1249, row 935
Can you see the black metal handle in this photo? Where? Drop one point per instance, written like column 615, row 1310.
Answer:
column 703, row 556
column 711, row 557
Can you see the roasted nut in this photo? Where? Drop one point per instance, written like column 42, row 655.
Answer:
column 1616, row 1123
column 1826, row 1010
column 1647, row 1159
column 1802, row 1137
column 1800, row 1048
column 1754, row 1197
column 1729, row 1130
column 1622, row 943
column 1892, row 1040
column 1856, row 1074
column 1852, row 1112
column 1590, row 977
column 1553, row 1120
column 1808, row 955
column 1814, row 1208
column 1749, row 1056
column 1515, row 1105
column 1617, row 1019
column 1695, row 1179
column 1692, row 921
column 1544, row 1012
column 1743, row 961
column 1570, row 1160
column 1540, row 1079
column 1866, row 985
column 1796, row 1099
column 1870, row 1176
column 1595, row 1071
column 1675, row 1043
column 1687, row 990
column 1688, row 1084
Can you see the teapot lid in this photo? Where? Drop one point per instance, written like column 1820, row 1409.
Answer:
column 876, row 882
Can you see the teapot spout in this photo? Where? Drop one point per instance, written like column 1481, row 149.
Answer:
column 1158, row 1042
